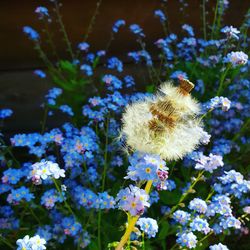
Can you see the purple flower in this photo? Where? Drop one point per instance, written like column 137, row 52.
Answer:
column 133, row 200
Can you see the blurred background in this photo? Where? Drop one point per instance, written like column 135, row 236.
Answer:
column 23, row 92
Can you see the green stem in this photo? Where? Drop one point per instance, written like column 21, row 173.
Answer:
column 10, row 153
column 143, row 241
column 222, row 79
column 5, row 241
column 49, row 39
column 92, row 21
column 197, row 179
column 34, row 215
column 204, row 115
column 64, row 200
column 204, row 19
column 103, row 183
column 215, row 17
column 205, row 237
column 174, row 246
column 66, row 38
column 105, row 157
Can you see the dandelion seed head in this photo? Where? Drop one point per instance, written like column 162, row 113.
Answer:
column 164, row 124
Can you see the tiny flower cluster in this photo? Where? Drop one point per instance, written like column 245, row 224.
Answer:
column 133, row 200
column 146, row 167
column 45, row 170
column 31, row 243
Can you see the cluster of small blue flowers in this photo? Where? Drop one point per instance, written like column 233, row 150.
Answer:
column 145, row 167
column 7, row 219
column 66, row 109
column 40, row 73
column 50, row 197
column 141, row 55
column 31, row 33
column 204, row 218
column 88, row 199
column 149, row 226
column 117, row 25
column 52, row 95
column 133, row 200
column 217, row 102
column 27, row 243
column 231, row 32
column 160, row 15
column 18, row 195
column 209, row 163
column 76, row 146
column 5, row 113
column 115, row 63
column 44, row 170
column 137, row 30
column 237, row 58
column 42, row 13
column 233, row 182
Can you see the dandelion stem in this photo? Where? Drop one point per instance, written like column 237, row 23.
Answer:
column 131, row 222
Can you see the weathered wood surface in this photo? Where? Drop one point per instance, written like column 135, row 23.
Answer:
column 23, row 92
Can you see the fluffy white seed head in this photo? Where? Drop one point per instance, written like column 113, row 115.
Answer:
column 184, row 103
column 164, row 124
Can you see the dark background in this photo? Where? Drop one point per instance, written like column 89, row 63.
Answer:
column 23, row 92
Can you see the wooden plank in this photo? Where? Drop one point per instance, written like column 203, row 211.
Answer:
column 17, row 53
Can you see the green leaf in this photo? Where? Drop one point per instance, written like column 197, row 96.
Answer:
column 164, row 230
column 93, row 246
column 170, row 198
column 150, row 88
column 68, row 67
